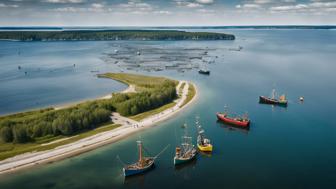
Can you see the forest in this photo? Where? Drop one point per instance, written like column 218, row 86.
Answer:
column 152, row 92
column 103, row 35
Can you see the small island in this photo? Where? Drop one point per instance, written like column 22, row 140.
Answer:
column 111, row 35
column 45, row 135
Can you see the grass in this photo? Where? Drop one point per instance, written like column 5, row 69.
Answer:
column 191, row 94
column 144, row 115
column 8, row 150
column 141, row 82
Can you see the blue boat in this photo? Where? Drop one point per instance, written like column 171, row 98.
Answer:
column 142, row 165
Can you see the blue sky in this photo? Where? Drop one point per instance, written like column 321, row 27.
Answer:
column 166, row 12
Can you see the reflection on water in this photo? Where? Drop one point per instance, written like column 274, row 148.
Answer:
column 230, row 127
column 205, row 154
column 137, row 180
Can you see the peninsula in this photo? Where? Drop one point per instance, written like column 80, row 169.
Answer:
column 111, row 35
column 26, row 141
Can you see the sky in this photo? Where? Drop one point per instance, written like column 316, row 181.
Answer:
column 166, row 12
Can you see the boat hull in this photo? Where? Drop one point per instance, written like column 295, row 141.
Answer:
column 266, row 100
column 207, row 148
column 131, row 172
column 230, row 121
column 204, row 72
column 178, row 161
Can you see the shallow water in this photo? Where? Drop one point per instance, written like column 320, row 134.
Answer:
column 291, row 147
column 41, row 74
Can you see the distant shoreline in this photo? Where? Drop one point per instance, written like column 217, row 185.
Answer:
column 104, row 28
column 112, row 35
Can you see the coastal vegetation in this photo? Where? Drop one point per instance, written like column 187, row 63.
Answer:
column 49, row 142
column 144, row 115
column 103, row 35
column 152, row 93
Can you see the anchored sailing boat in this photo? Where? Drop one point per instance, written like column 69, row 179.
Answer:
column 186, row 152
column 143, row 164
column 282, row 101
column 203, row 143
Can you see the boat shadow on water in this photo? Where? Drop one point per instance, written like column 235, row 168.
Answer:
column 275, row 107
column 190, row 164
column 205, row 154
column 231, row 127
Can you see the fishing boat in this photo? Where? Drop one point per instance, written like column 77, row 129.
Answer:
column 203, row 143
column 241, row 121
column 282, row 101
column 186, row 152
column 204, row 71
column 142, row 165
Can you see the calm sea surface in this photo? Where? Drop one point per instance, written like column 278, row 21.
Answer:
column 291, row 147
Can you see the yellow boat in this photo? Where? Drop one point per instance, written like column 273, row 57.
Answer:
column 203, row 143
column 205, row 148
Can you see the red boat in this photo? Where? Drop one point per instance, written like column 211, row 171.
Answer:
column 241, row 121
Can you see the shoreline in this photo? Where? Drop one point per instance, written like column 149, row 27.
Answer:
column 93, row 142
column 130, row 88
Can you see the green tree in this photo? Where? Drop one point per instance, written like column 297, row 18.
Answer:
column 6, row 134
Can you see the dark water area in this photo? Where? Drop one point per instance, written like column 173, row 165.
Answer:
column 291, row 147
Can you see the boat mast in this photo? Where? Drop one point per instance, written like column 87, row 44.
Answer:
column 273, row 94
column 140, row 151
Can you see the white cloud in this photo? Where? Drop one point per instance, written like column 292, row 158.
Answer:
column 193, row 5
column 205, row 1
column 2, row 5
column 63, row 1
column 248, row 6
column 308, row 7
column 262, row 1
column 188, row 4
column 273, row 1
column 208, row 11
column 97, row 5
column 162, row 12
column 66, row 9
column 136, row 6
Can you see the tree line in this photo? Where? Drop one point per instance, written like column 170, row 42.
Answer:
column 27, row 127
column 85, row 35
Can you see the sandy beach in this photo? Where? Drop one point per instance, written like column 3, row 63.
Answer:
column 127, row 128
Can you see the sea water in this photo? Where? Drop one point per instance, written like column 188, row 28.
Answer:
column 291, row 147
